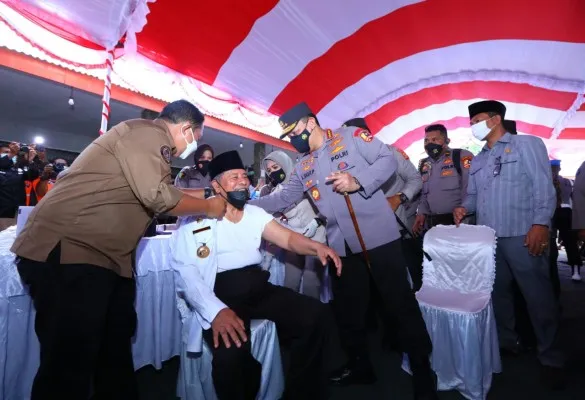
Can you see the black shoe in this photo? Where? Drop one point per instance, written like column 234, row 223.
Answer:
column 356, row 372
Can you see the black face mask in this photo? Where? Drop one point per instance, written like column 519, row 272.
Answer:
column 301, row 142
column 238, row 198
column 434, row 150
column 204, row 169
column 277, row 176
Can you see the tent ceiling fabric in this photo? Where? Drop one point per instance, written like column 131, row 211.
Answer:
column 403, row 64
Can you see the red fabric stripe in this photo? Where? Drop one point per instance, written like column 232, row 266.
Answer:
column 573, row 133
column 582, row 108
column 197, row 38
column 53, row 23
column 503, row 91
column 425, row 26
column 463, row 122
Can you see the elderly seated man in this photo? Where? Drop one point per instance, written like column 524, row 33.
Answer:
column 216, row 264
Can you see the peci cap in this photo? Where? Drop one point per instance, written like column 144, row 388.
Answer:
column 289, row 119
column 486, row 107
column 510, row 126
column 225, row 162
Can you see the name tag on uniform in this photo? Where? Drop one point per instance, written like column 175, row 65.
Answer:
column 201, row 230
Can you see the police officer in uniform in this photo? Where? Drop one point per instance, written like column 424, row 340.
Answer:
column 579, row 203
column 75, row 252
column 350, row 162
column 404, row 186
column 562, row 222
column 444, row 174
column 197, row 176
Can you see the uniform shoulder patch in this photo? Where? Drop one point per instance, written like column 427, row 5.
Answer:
column 165, row 152
column 403, row 153
column 466, row 161
column 363, row 134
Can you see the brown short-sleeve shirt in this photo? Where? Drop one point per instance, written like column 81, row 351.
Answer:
column 100, row 208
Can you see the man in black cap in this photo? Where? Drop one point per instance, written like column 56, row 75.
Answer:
column 342, row 172
column 510, row 190
column 221, row 288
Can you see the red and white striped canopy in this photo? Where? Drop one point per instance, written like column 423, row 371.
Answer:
column 403, row 64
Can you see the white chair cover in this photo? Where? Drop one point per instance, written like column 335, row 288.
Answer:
column 195, row 381
column 455, row 300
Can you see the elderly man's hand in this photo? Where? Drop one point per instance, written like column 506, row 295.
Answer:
column 228, row 325
column 325, row 254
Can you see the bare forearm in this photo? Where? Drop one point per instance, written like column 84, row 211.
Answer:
column 189, row 205
column 302, row 245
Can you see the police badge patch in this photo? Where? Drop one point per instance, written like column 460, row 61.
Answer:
column 366, row 137
column 466, row 162
column 165, row 152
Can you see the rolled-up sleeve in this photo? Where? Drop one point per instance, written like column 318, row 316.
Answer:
column 140, row 155
column 189, row 283
column 538, row 170
column 382, row 166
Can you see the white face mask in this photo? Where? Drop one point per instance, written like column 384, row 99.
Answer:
column 481, row 130
column 191, row 147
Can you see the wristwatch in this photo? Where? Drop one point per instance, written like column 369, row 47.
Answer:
column 403, row 198
column 208, row 192
column 359, row 184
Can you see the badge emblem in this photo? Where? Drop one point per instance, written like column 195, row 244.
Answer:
column 315, row 194
column 447, row 172
column 448, row 161
column 304, row 136
column 335, row 142
column 203, row 251
column 366, row 137
column 309, row 183
column 342, row 165
column 337, row 149
column 466, row 162
column 165, row 152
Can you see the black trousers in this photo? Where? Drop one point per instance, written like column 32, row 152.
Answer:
column 563, row 222
column 351, row 292
column 85, row 320
column 440, row 219
column 301, row 321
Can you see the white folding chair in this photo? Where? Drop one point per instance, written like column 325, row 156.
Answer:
column 455, row 300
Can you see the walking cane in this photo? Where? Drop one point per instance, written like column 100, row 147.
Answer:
column 357, row 228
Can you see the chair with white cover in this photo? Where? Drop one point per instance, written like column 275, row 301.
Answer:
column 195, row 381
column 455, row 300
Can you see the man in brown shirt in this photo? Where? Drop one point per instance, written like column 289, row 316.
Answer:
column 76, row 251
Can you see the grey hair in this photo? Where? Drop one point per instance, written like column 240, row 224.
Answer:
column 218, row 177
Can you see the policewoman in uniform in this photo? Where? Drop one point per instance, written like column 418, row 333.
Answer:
column 76, row 251
column 445, row 173
column 350, row 161
column 197, row 176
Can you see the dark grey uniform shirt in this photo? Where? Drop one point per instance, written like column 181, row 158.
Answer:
column 366, row 158
column 443, row 187
column 190, row 178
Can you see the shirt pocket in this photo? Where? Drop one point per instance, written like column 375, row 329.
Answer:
column 450, row 182
column 510, row 168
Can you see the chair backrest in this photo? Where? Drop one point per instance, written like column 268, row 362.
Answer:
column 462, row 258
